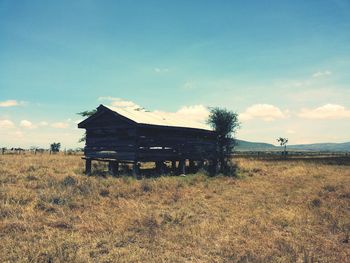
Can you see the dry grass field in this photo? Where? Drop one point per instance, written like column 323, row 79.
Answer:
column 274, row 211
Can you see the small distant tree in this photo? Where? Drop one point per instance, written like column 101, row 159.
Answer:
column 55, row 147
column 86, row 114
column 283, row 143
column 225, row 123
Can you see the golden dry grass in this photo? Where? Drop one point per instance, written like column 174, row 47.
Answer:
column 280, row 211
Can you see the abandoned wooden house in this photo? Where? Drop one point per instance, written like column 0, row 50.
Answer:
column 122, row 135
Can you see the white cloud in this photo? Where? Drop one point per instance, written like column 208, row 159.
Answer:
column 321, row 74
column 196, row 112
column 188, row 116
column 9, row 103
column 60, row 125
column 27, row 124
column 121, row 103
column 328, row 111
column 124, row 104
column 6, row 124
column 161, row 70
column 265, row 112
column 43, row 123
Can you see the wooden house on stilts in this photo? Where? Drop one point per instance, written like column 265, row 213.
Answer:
column 122, row 135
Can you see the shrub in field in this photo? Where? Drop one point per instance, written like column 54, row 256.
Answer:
column 69, row 180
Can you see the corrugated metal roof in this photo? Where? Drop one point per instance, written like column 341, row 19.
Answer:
column 159, row 118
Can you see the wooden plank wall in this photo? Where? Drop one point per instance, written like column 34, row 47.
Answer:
column 148, row 143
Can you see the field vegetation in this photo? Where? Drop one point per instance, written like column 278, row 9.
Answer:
column 272, row 211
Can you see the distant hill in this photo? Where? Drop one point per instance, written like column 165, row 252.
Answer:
column 254, row 146
column 322, row 147
column 317, row 147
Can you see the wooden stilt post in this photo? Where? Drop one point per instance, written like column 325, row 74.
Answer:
column 158, row 166
column 162, row 167
column 191, row 166
column 214, row 167
column 173, row 166
column 182, row 166
column 135, row 169
column 113, row 168
column 116, row 168
column 201, row 164
column 88, row 167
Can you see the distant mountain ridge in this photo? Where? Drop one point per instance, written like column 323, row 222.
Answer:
column 317, row 147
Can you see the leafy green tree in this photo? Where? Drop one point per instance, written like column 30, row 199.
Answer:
column 86, row 114
column 283, row 143
column 55, row 147
column 225, row 123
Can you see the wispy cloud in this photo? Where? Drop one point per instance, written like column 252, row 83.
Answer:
column 9, row 103
column 195, row 112
column 27, row 124
column 264, row 112
column 161, row 70
column 6, row 124
column 192, row 116
column 120, row 103
column 321, row 74
column 43, row 123
column 60, row 125
column 328, row 111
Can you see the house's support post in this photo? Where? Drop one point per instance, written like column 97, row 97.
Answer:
column 201, row 164
column 88, row 167
column 116, row 168
column 160, row 167
column 214, row 167
column 191, row 166
column 113, row 167
column 173, row 166
column 182, row 166
column 136, row 169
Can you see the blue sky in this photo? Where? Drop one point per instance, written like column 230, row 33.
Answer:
column 283, row 65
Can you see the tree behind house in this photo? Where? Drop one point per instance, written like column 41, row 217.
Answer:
column 86, row 114
column 225, row 123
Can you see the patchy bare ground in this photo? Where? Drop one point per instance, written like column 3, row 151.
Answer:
column 280, row 211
